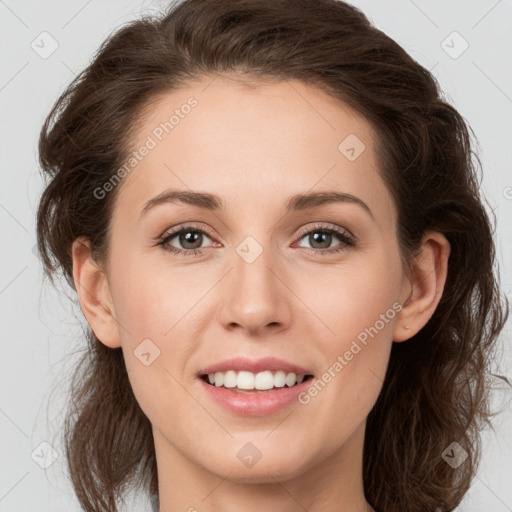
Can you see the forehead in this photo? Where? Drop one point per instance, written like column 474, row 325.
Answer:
column 260, row 142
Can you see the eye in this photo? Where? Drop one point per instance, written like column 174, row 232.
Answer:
column 190, row 238
column 320, row 238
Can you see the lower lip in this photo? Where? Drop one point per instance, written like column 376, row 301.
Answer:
column 255, row 404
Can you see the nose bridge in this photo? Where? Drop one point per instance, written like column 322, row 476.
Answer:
column 254, row 296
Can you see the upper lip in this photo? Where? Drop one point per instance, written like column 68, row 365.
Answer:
column 255, row 366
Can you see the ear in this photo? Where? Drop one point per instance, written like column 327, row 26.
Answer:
column 94, row 294
column 423, row 290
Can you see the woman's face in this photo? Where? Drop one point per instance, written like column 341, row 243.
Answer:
column 257, row 277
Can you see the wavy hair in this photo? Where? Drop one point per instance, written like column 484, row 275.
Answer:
column 436, row 390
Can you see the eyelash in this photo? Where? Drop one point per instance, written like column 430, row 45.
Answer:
column 346, row 239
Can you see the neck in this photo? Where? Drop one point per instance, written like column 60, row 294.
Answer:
column 332, row 484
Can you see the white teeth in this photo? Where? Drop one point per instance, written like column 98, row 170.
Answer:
column 245, row 380
column 264, row 380
column 279, row 379
column 261, row 381
column 230, row 379
column 291, row 379
column 219, row 379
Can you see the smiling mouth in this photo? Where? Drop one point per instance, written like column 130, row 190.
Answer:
column 248, row 382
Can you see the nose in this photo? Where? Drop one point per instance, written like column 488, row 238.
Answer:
column 255, row 297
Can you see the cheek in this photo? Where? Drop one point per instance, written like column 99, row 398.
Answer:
column 149, row 300
column 154, row 307
column 353, row 300
column 358, row 306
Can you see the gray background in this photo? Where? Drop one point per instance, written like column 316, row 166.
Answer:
column 41, row 328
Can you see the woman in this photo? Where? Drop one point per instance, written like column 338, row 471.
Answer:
column 272, row 222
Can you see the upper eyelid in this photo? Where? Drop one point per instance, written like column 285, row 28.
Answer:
column 190, row 227
column 325, row 227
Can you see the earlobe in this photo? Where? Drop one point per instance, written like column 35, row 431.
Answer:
column 425, row 287
column 93, row 292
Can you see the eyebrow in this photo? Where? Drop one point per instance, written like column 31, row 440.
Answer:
column 211, row 202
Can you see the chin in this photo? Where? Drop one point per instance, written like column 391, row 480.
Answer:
column 258, row 464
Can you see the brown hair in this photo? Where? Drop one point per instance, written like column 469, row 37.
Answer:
column 436, row 388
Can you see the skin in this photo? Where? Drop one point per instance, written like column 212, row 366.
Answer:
column 269, row 143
